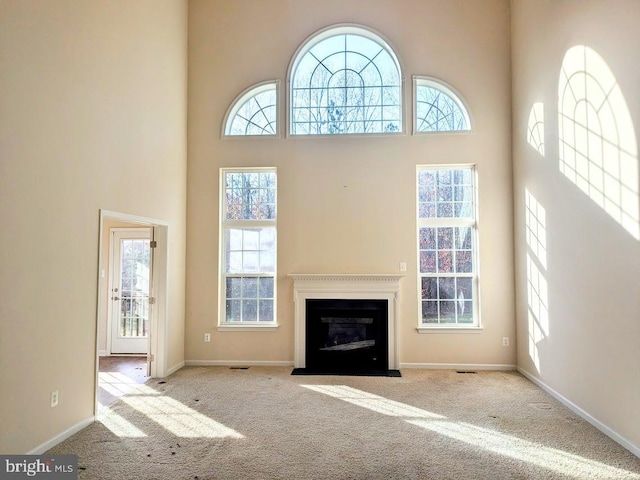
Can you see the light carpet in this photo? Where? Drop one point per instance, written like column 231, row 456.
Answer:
column 263, row 423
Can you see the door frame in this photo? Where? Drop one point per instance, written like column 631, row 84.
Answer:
column 111, row 280
column 158, row 318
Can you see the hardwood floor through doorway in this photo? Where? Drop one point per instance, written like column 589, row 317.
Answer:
column 117, row 374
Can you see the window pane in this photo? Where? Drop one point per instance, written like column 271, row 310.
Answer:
column 234, row 262
column 266, row 311
column 465, row 288
column 446, row 288
column 267, row 262
column 250, row 262
column 464, row 262
column 465, row 311
column 268, row 239
column 445, row 238
column 251, row 239
column 462, row 209
column 444, row 177
column 427, row 193
column 249, row 310
column 427, row 238
column 445, row 261
column 234, row 287
column 233, row 311
column 429, row 288
column 249, row 287
column 445, row 210
column 234, row 239
column 445, row 193
column 427, row 210
column 427, row 262
column 266, row 287
column 430, row 312
column 463, row 237
column 447, row 312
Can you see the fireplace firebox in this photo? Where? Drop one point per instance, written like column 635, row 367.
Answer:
column 346, row 336
column 345, row 324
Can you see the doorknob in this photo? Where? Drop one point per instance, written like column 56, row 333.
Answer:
column 115, row 298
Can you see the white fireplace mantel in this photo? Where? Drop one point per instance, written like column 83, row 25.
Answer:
column 345, row 286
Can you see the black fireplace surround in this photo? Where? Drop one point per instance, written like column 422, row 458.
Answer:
column 347, row 337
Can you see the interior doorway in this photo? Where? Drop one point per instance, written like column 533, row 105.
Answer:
column 132, row 304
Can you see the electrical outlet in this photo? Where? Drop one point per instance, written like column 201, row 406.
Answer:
column 54, row 398
column 403, row 266
column 207, row 337
column 505, row 341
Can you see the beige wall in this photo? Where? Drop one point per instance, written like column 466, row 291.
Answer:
column 347, row 205
column 93, row 108
column 591, row 349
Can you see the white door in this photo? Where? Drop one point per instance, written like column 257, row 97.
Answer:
column 130, row 290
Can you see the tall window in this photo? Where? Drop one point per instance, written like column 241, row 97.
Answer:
column 447, row 246
column 248, row 246
column 438, row 108
column 345, row 80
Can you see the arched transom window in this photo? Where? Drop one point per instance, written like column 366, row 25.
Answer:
column 254, row 111
column 438, row 108
column 345, row 80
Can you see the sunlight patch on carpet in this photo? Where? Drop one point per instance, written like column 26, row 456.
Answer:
column 372, row 402
column 510, row 446
column 178, row 418
column 118, row 425
column 167, row 412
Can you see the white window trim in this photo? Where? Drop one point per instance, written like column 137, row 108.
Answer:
column 348, row 29
column 239, row 101
column 422, row 80
column 448, row 329
column 477, row 326
column 223, row 325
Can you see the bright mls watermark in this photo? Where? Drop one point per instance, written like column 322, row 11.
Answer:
column 51, row 467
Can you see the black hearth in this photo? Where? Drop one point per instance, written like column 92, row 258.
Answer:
column 347, row 337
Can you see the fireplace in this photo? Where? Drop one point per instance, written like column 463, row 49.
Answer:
column 346, row 335
column 346, row 323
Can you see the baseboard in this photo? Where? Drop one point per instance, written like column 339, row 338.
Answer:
column 175, row 368
column 103, row 353
column 584, row 414
column 49, row 444
column 238, row 363
column 459, row 366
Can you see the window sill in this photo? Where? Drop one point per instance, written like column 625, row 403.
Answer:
column 468, row 329
column 251, row 327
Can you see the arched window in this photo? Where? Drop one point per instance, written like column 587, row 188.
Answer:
column 254, row 112
column 345, row 80
column 438, row 108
